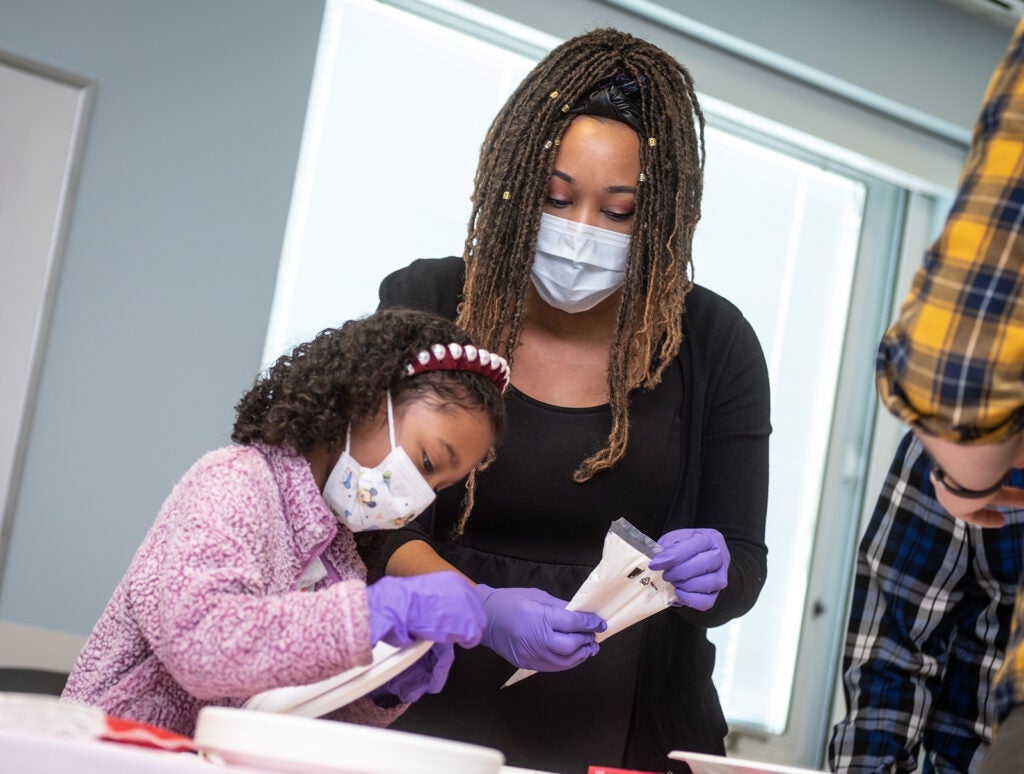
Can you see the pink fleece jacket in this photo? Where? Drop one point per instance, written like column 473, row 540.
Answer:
column 210, row 611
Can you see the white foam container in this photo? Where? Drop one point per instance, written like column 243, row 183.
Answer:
column 309, row 746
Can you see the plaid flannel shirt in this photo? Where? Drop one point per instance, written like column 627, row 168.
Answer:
column 953, row 362
column 929, row 622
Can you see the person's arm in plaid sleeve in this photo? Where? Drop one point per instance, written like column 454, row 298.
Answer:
column 952, row 365
column 952, row 362
column 912, row 568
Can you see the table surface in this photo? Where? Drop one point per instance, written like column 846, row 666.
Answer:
column 33, row 753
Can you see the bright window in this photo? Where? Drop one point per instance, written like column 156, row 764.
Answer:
column 398, row 109
column 778, row 237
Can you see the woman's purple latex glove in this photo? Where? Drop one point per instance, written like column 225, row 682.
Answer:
column 427, row 675
column 439, row 606
column 696, row 562
column 532, row 629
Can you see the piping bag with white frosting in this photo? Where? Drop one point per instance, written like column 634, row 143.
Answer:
column 622, row 589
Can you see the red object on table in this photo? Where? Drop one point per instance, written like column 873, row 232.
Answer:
column 606, row 770
column 55, row 717
column 142, row 734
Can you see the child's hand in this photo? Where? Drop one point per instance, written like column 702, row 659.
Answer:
column 427, row 675
column 439, row 606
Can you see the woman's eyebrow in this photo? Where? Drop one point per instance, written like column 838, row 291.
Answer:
column 613, row 189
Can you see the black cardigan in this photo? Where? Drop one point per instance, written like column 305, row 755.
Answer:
column 723, row 484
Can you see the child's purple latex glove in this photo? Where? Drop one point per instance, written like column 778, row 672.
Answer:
column 427, row 675
column 439, row 606
column 696, row 562
column 532, row 629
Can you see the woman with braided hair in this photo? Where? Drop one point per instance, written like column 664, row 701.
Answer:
column 635, row 394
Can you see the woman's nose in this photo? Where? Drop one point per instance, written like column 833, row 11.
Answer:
column 588, row 215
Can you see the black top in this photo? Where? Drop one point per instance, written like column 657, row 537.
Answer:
column 551, row 519
column 697, row 456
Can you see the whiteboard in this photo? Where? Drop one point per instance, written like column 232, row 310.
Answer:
column 43, row 114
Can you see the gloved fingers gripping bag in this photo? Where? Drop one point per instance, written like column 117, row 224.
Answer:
column 621, row 589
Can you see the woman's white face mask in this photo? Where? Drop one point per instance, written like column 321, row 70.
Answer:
column 576, row 266
column 386, row 496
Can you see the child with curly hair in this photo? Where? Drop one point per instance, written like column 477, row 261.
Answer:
column 250, row 578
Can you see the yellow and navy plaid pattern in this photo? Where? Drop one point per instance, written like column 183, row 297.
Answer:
column 953, row 362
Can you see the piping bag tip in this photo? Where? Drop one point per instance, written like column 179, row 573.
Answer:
column 520, row 674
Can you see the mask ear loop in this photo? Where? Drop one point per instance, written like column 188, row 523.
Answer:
column 391, row 428
column 391, row 422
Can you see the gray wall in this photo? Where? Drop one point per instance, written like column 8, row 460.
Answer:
column 925, row 54
column 169, row 270
column 180, row 213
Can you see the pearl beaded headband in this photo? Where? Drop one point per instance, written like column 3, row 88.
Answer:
column 456, row 357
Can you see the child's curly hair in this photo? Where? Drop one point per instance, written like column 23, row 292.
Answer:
column 341, row 377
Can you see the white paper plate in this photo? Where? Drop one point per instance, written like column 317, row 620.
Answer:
column 309, row 746
column 317, row 699
column 716, row 764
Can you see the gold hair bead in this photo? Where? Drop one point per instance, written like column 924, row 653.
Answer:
column 652, row 141
column 547, row 144
column 506, row 195
column 553, row 95
column 643, row 177
column 565, row 108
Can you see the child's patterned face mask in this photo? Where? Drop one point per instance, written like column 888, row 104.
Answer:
column 386, row 496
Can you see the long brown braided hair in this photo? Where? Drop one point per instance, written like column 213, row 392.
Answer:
column 511, row 186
